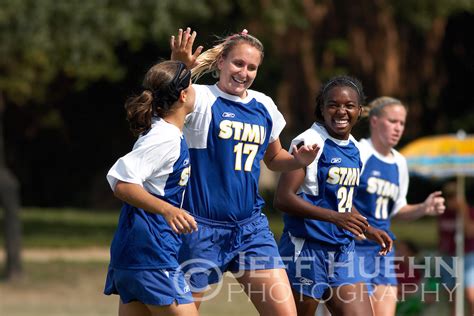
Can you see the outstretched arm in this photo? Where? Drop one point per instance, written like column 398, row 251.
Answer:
column 278, row 159
column 178, row 219
column 433, row 205
column 182, row 47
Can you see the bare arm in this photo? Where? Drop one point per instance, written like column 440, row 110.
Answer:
column 433, row 205
column 278, row 159
column 178, row 219
column 289, row 202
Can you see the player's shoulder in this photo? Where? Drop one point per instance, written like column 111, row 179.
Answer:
column 366, row 148
column 262, row 98
column 399, row 158
column 354, row 141
column 206, row 92
column 365, row 144
column 160, row 134
column 258, row 95
column 311, row 135
column 202, row 87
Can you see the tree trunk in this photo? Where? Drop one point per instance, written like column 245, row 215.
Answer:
column 10, row 201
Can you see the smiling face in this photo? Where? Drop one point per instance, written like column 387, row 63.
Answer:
column 239, row 69
column 388, row 127
column 341, row 110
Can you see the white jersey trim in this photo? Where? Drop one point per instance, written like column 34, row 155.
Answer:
column 151, row 160
column 368, row 150
column 197, row 123
column 298, row 243
column 316, row 134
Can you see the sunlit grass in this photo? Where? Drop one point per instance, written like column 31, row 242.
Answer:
column 69, row 227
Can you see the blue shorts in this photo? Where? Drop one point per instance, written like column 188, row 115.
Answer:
column 158, row 287
column 219, row 246
column 313, row 267
column 448, row 276
column 374, row 268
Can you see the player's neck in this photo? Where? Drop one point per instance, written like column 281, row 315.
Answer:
column 381, row 148
column 176, row 118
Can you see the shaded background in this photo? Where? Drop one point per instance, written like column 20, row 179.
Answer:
column 66, row 68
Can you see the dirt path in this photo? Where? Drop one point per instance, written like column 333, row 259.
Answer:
column 63, row 254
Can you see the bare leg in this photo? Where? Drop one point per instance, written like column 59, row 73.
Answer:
column 384, row 300
column 197, row 299
column 350, row 300
column 305, row 305
column 269, row 291
column 133, row 309
column 140, row 309
column 174, row 310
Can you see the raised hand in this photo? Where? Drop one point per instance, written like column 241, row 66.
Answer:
column 180, row 221
column 305, row 154
column 355, row 223
column 380, row 237
column 434, row 204
column 182, row 47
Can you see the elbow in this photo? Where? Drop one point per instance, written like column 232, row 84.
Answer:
column 272, row 168
column 118, row 194
column 280, row 202
column 119, row 191
column 269, row 164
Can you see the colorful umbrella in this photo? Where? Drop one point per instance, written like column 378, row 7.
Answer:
column 441, row 156
column 446, row 156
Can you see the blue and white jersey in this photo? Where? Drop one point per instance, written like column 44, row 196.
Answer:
column 331, row 181
column 227, row 138
column 159, row 161
column 383, row 187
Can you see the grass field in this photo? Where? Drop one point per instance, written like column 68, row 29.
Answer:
column 66, row 257
column 75, row 228
column 68, row 288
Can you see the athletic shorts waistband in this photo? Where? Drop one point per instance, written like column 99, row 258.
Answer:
column 215, row 223
column 317, row 245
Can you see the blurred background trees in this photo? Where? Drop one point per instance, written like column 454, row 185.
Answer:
column 66, row 68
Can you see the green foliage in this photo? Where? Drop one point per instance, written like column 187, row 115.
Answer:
column 43, row 39
column 421, row 13
column 422, row 232
column 284, row 14
column 339, row 46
